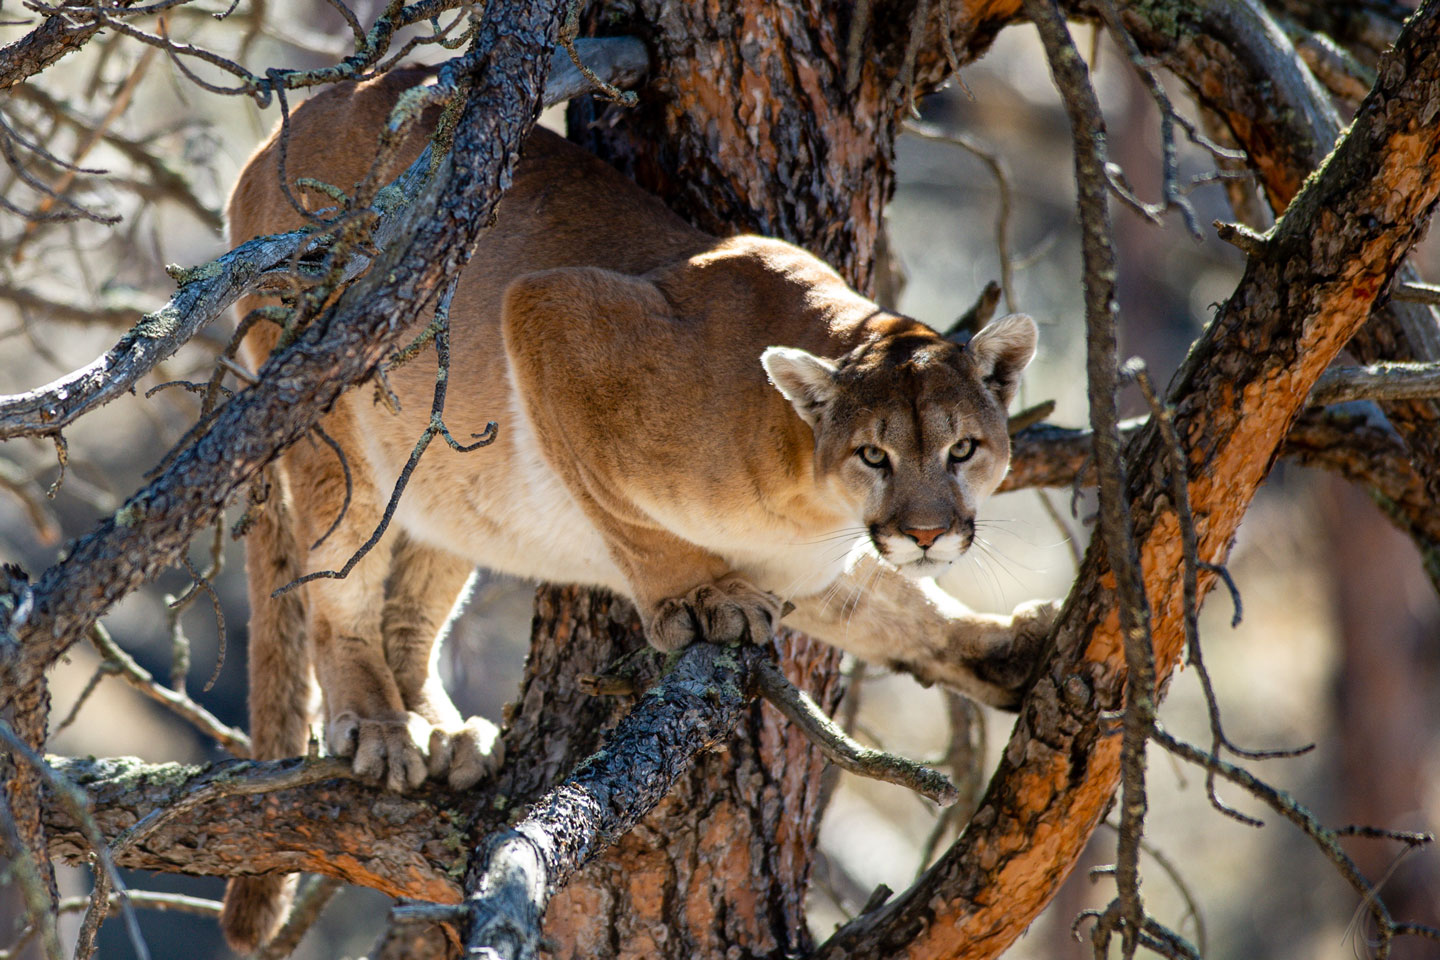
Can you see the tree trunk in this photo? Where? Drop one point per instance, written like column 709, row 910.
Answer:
column 747, row 128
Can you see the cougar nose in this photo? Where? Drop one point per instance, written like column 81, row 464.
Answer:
column 924, row 537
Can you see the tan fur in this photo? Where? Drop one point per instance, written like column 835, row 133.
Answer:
column 281, row 688
column 643, row 446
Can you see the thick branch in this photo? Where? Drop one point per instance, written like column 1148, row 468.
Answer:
column 313, row 817
column 54, row 38
column 298, row 384
column 693, row 708
column 1353, row 440
column 406, row 846
column 1239, row 65
column 204, row 294
column 1234, row 400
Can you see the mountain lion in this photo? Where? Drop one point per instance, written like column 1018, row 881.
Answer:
column 716, row 428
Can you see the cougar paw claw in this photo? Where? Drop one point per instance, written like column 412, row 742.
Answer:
column 383, row 749
column 726, row 611
column 466, row 754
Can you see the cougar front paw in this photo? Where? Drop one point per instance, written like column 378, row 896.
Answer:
column 384, row 748
column 1011, row 666
column 726, row 611
column 466, row 754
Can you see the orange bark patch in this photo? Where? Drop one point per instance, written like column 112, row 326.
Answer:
column 977, row 10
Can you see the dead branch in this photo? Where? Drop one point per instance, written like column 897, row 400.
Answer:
column 312, row 815
column 56, row 36
column 207, row 291
column 1240, row 66
column 1324, row 838
column 843, row 751
column 150, row 533
column 175, row 700
column 1378, row 381
column 1353, row 440
column 1087, row 127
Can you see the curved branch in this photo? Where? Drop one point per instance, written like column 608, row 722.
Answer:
column 314, row 816
column 54, row 38
column 1353, row 440
column 205, row 293
column 1243, row 384
column 1239, row 65
column 405, row 846
column 297, row 385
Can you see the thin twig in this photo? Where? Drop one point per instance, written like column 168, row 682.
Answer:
column 1325, row 839
column 1173, row 196
column 1177, row 468
column 334, row 445
column 107, row 876
column 1172, row 870
column 1002, row 186
column 143, row 680
column 435, row 428
column 33, row 888
column 1427, row 293
column 1087, row 127
column 844, row 752
column 1378, row 381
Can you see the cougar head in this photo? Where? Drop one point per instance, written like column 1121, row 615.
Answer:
column 910, row 430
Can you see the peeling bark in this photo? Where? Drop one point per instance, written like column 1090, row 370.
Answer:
column 413, row 846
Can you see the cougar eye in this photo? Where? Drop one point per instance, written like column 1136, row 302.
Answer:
column 963, row 450
column 873, row 456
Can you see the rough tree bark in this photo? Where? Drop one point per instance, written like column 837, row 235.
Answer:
column 1307, row 288
column 748, row 124
column 1242, row 69
column 753, row 122
column 153, row 529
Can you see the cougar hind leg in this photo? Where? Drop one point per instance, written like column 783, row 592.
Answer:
column 365, row 717
column 425, row 590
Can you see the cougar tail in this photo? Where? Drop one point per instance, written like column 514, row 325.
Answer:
column 280, row 699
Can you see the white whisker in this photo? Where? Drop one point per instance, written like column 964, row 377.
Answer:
column 1005, row 560
column 794, row 586
column 997, row 595
column 859, row 591
column 848, row 533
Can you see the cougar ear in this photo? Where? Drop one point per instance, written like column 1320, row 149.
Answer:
column 1001, row 350
column 806, row 380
